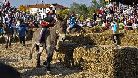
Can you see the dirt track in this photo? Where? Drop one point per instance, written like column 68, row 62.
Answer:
column 17, row 56
column 98, row 60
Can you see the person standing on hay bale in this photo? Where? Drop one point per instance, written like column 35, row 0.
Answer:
column 115, row 36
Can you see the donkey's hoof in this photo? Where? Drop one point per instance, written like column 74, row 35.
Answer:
column 45, row 63
column 48, row 69
column 38, row 66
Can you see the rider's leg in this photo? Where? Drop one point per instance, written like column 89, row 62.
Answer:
column 42, row 35
column 113, row 38
column 68, row 30
column 10, row 40
column 118, row 39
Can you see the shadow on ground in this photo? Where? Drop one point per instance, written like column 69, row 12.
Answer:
column 126, row 63
column 57, row 69
column 7, row 71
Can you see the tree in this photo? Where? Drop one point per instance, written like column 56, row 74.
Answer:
column 95, row 5
column 74, row 7
column 63, row 13
column 23, row 8
column 80, row 9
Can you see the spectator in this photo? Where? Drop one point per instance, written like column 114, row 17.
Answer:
column 22, row 29
column 115, row 36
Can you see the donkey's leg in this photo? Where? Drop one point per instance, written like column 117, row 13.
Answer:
column 40, row 49
column 7, row 41
column 10, row 38
column 31, row 51
column 50, row 51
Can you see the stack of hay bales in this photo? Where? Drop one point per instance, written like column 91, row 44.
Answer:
column 130, row 37
column 105, row 62
column 102, row 61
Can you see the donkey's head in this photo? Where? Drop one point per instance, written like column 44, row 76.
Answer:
column 61, row 26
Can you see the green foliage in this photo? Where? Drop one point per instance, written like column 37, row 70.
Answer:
column 80, row 9
column 81, row 18
column 94, row 6
column 63, row 13
column 83, row 11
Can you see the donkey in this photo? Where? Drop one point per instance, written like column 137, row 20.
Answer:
column 54, row 35
column 8, row 35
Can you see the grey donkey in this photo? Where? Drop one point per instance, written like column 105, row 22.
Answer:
column 53, row 37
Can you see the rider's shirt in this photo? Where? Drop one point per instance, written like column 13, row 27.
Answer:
column 72, row 21
column 48, row 21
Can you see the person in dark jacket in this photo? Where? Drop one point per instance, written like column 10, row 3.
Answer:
column 22, row 29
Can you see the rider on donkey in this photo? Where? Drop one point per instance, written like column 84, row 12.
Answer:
column 47, row 22
column 72, row 22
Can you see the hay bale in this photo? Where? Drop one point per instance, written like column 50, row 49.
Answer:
column 102, row 60
column 97, row 59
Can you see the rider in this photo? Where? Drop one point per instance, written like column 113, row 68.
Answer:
column 46, row 23
column 72, row 22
